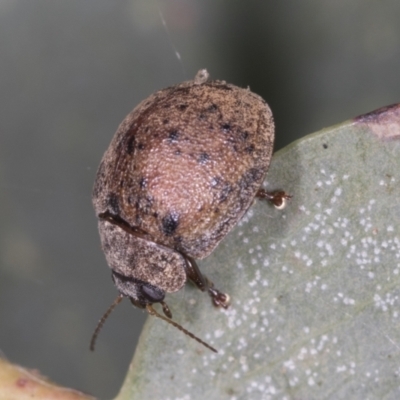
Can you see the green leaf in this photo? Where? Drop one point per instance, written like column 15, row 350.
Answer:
column 315, row 288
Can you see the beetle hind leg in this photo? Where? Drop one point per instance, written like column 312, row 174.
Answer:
column 192, row 270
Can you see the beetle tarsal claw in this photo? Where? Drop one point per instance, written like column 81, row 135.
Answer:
column 278, row 198
column 152, row 311
column 219, row 299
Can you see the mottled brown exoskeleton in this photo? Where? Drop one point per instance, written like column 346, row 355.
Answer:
column 180, row 172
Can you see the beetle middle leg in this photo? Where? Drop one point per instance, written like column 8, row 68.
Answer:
column 218, row 298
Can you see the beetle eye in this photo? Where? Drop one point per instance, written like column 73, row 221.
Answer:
column 141, row 293
column 152, row 294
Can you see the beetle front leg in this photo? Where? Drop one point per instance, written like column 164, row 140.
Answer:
column 192, row 270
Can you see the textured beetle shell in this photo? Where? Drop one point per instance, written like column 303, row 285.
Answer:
column 154, row 264
column 185, row 165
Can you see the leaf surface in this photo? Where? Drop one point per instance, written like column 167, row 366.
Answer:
column 314, row 288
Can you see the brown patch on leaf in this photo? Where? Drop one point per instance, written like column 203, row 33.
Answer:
column 20, row 383
column 383, row 122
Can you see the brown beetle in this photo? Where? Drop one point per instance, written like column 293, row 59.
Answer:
column 180, row 172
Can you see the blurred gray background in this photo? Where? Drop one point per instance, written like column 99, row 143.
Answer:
column 69, row 73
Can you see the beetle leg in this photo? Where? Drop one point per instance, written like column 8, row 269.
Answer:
column 192, row 270
column 193, row 273
column 278, row 198
column 166, row 309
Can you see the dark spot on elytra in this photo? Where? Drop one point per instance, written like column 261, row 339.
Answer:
column 142, row 183
column 244, row 135
column 147, row 129
column 202, row 116
column 203, row 158
column 130, row 199
column 255, row 174
column 250, row 177
column 164, row 258
column 113, row 203
column 225, row 191
column 173, row 136
column 226, row 127
column 212, row 108
column 130, row 144
column 182, row 107
column 169, row 223
column 178, row 152
column 165, row 121
column 141, row 146
column 249, row 149
column 325, row 146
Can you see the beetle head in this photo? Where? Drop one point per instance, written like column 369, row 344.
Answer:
column 142, row 295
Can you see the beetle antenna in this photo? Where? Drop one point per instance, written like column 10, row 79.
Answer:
column 103, row 319
column 152, row 311
column 166, row 309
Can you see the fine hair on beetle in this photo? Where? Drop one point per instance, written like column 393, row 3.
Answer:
column 180, row 172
